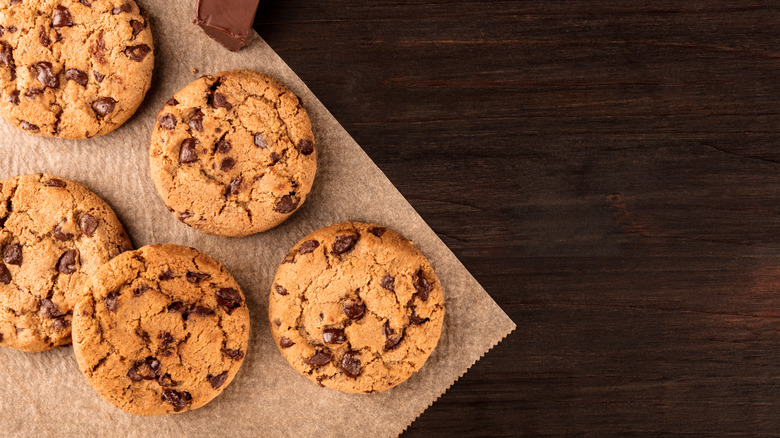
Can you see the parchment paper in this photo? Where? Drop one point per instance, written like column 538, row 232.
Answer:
column 45, row 394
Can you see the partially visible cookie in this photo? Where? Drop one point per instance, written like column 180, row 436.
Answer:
column 54, row 233
column 356, row 307
column 233, row 154
column 159, row 330
column 73, row 68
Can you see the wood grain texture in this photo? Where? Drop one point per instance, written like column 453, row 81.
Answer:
column 608, row 170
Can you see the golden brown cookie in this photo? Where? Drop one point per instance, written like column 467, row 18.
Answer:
column 73, row 68
column 53, row 234
column 356, row 307
column 233, row 154
column 159, row 330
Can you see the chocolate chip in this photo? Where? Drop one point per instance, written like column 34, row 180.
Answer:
column 306, row 147
column 13, row 254
column 260, row 141
column 343, row 243
column 218, row 380
column 77, row 76
column 124, row 8
column 172, row 102
column 234, row 354
column 377, row 231
column 351, row 364
column 278, row 322
column 49, row 309
column 165, row 275
column 147, row 369
column 177, row 307
column 280, row 290
column 388, row 282
column 61, row 17
column 86, row 3
column 98, row 76
column 13, row 98
column 60, row 235
column 27, row 126
column 422, row 286
column 140, row 290
column 319, row 359
column 88, row 224
column 228, row 298
column 46, row 76
column 178, row 399
column 137, row 53
column 308, row 246
column 334, row 336
column 196, row 121
column 32, row 93
column 67, row 263
column 166, row 339
column 286, row 204
column 43, row 37
column 223, row 146
column 104, row 106
column 7, row 55
column 274, row 158
column 353, row 310
column 220, row 102
column 5, row 275
column 167, row 121
column 12, row 29
column 99, row 49
column 227, row 164
column 198, row 311
column 15, row 2
column 194, row 277
column 187, row 153
column 235, row 186
column 414, row 319
column 54, row 182
column 184, row 215
column 137, row 26
column 391, row 338
column 166, row 381
column 61, row 323
column 111, row 301
column 285, row 342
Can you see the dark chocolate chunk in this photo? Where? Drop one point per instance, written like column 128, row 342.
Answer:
column 172, row 102
column 194, row 277
column 280, row 290
column 334, row 336
column 285, row 342
column 147, row 369
column 218, row 380
column 319, row 359
column 414, row 319
column 287, row 204
column 227, row 164
column 43, row 37
column 275, row 158
column 353, row 310
column 178, row 399
column 61, row 17
column 61, row 235
column 184, row 215
column 278, row 322
column 350, row 364
column 224, row 146
column 86, row 3
column 140, row 290
column 228, row 298
column 198, row 311
column 220, row 102
column 260, row 141
column 377, row 231
column 27, row 126
column 49, row 309
column 187, row 153
column 124, row 8
column 13, row 254
column 137, row 26
column 230, row 26
column 77, row 76
column 12, row 29
column 235, row 186
column 46, row 76
column 422, row 286
column 104, row 106
column 165, row 275
column 61, row 323
column 7, row 55
column 388, row 282
column 166, row 381
column 166, row 339
column 306, row 147
column 308, row 246
column 67, row 262
column 5, row 274
column 196, row 121
column 88, row 224
column 111, row 301
column 234, row 354
column 343, row 243
column 13, row 98
column 99, row 48
column 391, row 338
column 54, row 182
column 98, row 76
column 177, row 307
column 137, row 53
column 32, row 93
column 167, row 121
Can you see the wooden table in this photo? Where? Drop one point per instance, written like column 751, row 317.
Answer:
column 608, row 170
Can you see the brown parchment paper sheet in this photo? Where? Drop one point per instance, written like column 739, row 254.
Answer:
column 45, row 394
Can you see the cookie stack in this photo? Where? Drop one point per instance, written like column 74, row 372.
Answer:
column 164, row 329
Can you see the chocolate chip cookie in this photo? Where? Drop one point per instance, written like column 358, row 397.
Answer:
column 73, row 68
column 159, row 330
column 54, row 233
column 356, row 307
column 233, row 154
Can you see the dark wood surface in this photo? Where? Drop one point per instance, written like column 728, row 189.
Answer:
column 608, row 170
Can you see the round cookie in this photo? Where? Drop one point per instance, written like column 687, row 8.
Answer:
column 73, row 68
column 54, row 233
column 159, row 330
column 233, row 154
column 356, row 307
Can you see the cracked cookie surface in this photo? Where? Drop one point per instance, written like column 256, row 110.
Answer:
column 160, row 330
column 54, row 233
column 356, row 307
column 233, row 154
column 73, row 68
